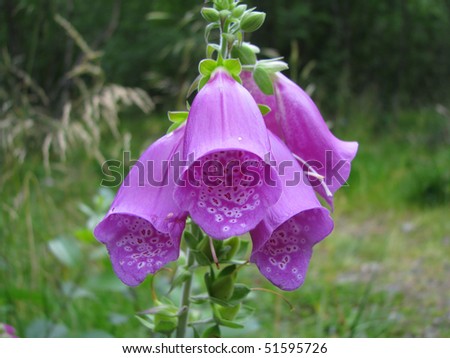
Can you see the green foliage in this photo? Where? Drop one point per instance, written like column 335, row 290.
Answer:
column 54, row 115
column 394, row 49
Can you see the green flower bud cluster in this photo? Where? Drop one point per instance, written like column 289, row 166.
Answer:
column 233, row 20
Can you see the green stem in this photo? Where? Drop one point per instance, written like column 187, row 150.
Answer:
column 183, row 318
column 223, row 42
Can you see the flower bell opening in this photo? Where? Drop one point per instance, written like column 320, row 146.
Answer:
column 227, row 190
column 143, row 228
column 136, row 247
column 283, row 241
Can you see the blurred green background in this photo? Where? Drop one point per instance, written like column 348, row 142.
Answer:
column 80, row 82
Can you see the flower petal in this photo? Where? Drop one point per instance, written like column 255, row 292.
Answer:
column 296, row 119
column 143, row 227
column 283, row 241
column 228, row 185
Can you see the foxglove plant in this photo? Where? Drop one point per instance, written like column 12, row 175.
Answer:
column 242, row 159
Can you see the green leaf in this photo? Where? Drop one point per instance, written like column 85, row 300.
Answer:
column 212, row 332
column 209, row 28
column 229, row 270
column 198, row 300
column 146, row 323
column 190, row 239
column 240, row 292
column 195, row 229
column 263, row 80
column 230, row 324
column 210, row 49
column 174, row 126
column 229, row 38
column 245, row 54
column 237, row 79
column 177, row 117
column 229, row 313
column 273, row 66
column 232, row 245
column 67, row 251
column 165, row 325
column 163, row 310
column 201, row 258
column 233, row 66
column 264, row 109
column 221, row 302
column 207, row 67
column 223, row 287
column 209, row 278
column 181, row 277
column 193, row 88
column 203, row 81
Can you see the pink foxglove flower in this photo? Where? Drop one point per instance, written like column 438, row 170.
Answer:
column 283, row 241
column 143, row 227
column 228, row 186
column 7, row 331
column 296, row 119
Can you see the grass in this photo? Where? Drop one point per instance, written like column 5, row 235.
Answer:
column 382, row 273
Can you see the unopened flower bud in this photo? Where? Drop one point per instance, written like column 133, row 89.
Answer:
column 239, row 11
column 221, row 4
column 210, row 14
column 252, row 21
column 229, row 313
